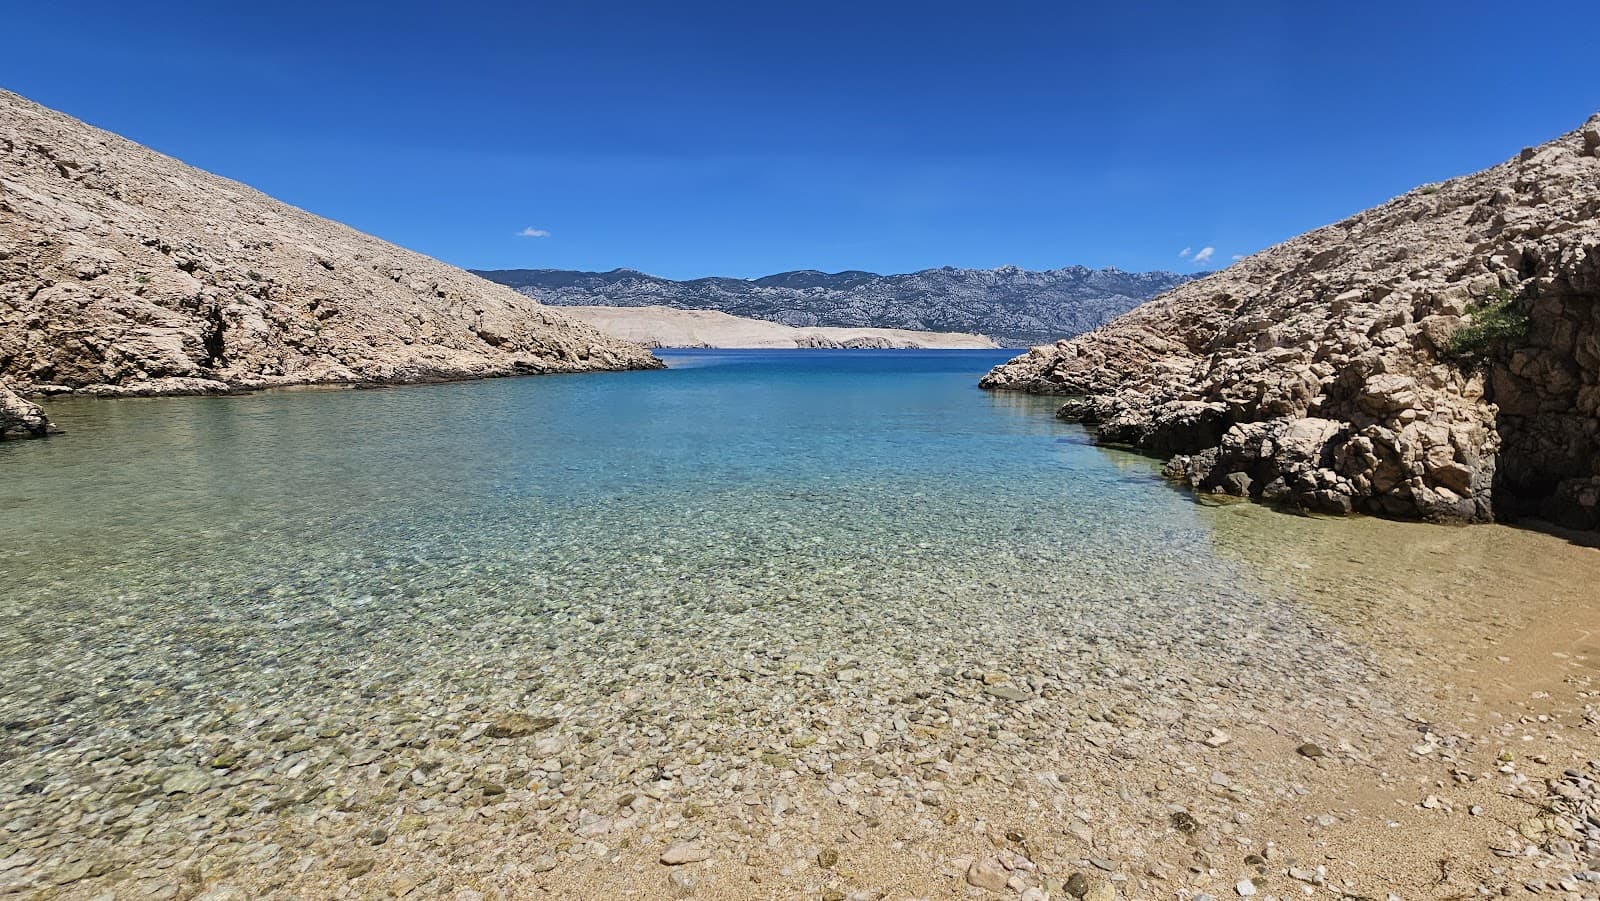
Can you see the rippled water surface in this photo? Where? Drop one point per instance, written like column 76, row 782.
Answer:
column 223, row 620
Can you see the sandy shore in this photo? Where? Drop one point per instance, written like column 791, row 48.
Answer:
column 1488, row 641
column 668, row 327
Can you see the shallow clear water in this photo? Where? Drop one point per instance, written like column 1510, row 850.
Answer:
column 185, row 581
column 257, row 521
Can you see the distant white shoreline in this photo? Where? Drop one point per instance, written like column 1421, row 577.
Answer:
column 669, row 327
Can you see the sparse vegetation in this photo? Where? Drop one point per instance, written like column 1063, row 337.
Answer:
column 1501, row 318
column 1430, row 189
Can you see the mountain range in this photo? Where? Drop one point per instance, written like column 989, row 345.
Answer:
column 1017, row 307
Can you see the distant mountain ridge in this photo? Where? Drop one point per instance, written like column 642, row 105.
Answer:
column 1014, row 306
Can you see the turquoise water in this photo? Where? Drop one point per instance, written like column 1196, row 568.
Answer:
column 727, row 474
column 304, row 575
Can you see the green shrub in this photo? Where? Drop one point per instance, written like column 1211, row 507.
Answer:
column 1499, row 320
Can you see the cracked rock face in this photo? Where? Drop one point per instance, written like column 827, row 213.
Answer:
column 123, row 271
column 1332, row 372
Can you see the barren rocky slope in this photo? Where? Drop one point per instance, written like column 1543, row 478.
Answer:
column 1012, row 305
column 125, row 271
column 669, row 327
column 1435, row 357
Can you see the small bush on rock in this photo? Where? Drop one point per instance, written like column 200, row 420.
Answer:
column 1499, row 320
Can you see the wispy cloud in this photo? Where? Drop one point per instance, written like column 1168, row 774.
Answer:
column 1184, row 253
column 1237, row 257
column 531, row 232
column 1203, row 255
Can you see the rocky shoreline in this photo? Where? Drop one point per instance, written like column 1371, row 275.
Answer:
column 1437, row 357
column 22, row 417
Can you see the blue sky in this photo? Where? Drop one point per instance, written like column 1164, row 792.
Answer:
column 695, row 138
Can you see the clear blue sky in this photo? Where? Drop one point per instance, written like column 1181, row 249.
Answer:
column 741, row 138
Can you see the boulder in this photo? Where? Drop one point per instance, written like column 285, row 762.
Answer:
column 20, row 418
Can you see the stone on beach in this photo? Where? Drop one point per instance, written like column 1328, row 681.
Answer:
column 679, row 853
column 987, row 873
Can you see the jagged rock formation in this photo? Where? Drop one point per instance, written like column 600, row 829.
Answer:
column 19, row 418
column 125, row 271
column 1014, row 306
column 1436, row 357
column 668, row 327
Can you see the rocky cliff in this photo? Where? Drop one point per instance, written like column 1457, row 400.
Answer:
column 1014, row 306
column 1436, row 357
column 125, row 271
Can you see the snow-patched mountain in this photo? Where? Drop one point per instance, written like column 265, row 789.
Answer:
column 1014, row 306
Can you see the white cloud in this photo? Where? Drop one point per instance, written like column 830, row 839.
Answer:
column 1204, row 254
column 1184, row 253
column 531, row 232
column 1237, row 257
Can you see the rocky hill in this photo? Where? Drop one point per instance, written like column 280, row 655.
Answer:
column 1435, row 357
column 1016, row 307
column 126, row 271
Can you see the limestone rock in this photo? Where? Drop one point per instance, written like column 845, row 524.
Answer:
column 186, row 781
column 1436, row 357
column 126, row 271
column 20, row 418
column 680, row 853
column 517, row 725
column 988, row 874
